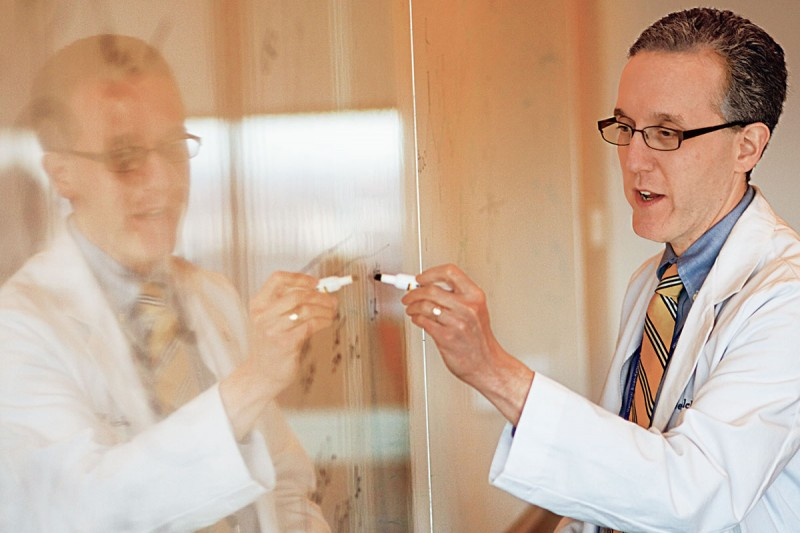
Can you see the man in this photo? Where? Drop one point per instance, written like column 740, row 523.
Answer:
column 135, row 393
column 707, row 439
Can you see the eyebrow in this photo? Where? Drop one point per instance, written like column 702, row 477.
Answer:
column 120, row 141
column 127, row 140
column 658, row 117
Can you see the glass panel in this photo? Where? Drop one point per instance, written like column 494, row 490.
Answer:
column 305, row 130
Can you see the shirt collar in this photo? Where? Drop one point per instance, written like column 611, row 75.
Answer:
column 120, row 284
column 696, row 262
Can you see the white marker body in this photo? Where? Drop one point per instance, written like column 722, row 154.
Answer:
column 333, row 283
column 404, row 282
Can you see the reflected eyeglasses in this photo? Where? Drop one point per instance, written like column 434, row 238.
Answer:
column 132, row 158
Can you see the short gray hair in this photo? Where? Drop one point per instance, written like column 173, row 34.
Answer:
column 756, row 69
column 99, row 57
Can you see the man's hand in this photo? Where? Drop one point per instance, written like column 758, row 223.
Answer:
column 284, row 314
column 458, row 321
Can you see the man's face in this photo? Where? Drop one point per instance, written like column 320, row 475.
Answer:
column 133, row 216
column 691, row 188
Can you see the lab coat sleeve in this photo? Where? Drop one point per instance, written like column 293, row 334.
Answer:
column 707, row 472
column 66, row 468
column 290, row 507
column 295, row 478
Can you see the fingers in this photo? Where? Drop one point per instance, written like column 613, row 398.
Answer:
column 281, row 283
column 289, row 302
column 315, row 315
column 449, row 275
column 292, row 300
column 284, row 291
column 465, row 302
column 457, row 320
column 432, row 311
column 309, row 303
column 431, row 281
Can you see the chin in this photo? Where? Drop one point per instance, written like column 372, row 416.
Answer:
column 149, row 254
column 647, row 231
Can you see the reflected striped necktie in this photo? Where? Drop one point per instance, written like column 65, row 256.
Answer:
column 173, row 375
column 659, row 327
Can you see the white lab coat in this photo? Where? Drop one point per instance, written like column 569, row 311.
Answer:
column 80, row 448
column 722, row 454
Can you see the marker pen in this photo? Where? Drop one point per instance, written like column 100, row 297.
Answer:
column 333, row 283
column 404, row 282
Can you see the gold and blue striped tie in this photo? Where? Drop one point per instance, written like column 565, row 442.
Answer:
column 173, row 373
column 176, row 377
column 659, row 328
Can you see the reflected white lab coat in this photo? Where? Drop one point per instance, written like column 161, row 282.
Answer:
column 80, row 448
column 722, row 454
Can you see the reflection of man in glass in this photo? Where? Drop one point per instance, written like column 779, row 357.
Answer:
column 131, row 396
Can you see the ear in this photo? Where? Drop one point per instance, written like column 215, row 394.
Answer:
column 59, row 169
column 753, row 139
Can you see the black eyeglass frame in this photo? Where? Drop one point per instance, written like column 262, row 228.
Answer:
column 682, row 135
column 141, row 153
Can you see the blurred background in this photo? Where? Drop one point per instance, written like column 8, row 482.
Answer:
column 357, row 136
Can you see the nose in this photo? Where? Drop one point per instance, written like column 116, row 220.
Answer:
column 636, row 156
column 159, row 174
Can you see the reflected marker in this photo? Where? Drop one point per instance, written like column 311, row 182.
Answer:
column 333, row 283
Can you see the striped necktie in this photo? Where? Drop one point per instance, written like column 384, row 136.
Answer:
column 172, row 374
column 659, row 327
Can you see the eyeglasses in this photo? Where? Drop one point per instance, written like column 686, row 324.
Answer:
column 132, row 158
column 656, row 137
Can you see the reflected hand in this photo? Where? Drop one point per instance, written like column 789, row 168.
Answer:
column 284, row 314
column 458, row 322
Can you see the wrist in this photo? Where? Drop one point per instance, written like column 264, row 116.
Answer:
column 244, row 397
column 507, row 385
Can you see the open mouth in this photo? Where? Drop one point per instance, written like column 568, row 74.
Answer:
column 151, row 213
column 648, row 196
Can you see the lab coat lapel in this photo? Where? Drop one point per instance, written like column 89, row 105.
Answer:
column 734, row 265
column 217, row 344
column 86, row 305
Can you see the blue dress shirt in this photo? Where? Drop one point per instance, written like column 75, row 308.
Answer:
column 693, row 268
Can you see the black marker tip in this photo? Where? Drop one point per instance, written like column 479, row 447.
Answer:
column 377, row 276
